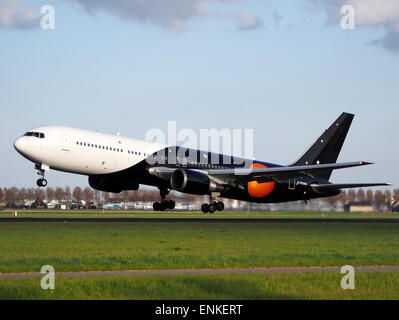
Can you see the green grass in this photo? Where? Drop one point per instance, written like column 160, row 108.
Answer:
column 376, row 285
column 78, row 246
column 194, row 214
column 117, row 246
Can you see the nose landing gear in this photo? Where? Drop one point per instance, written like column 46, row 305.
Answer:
column 41, row 183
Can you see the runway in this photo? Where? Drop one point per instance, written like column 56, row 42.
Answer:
column 199, row 220
column 209, row 271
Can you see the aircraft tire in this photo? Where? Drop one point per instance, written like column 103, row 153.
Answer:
column 205, row 208
column 156, row 206
column 212, row 208
column 171, row 204
column 41, row 183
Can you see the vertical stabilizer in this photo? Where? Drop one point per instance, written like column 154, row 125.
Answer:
column 328, row 146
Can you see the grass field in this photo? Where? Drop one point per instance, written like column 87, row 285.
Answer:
column 195, row 214
column 78, row 246
column 254, row 286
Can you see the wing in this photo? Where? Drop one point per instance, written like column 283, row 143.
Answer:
column 242, row 176
column 275, row 174
column 332, row 186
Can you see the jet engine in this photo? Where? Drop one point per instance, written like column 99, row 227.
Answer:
column 194, row 182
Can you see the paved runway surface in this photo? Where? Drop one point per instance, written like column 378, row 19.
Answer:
column 202, row 220
column 133, row 273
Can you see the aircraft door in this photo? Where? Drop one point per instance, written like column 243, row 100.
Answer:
column 291, row 183
column 66, row 142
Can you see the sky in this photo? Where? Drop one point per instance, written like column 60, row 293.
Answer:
column 283, row 68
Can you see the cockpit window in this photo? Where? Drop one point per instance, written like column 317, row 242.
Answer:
column 39, row 135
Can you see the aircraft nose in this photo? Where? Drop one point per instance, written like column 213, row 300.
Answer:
column 19, row 144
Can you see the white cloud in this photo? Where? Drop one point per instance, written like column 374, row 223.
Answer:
column 377, row 13
column 374, row 12
column 246, row 21
column 169, row 14
column 13, row 15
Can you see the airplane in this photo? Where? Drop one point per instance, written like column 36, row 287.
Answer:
column 114, row 164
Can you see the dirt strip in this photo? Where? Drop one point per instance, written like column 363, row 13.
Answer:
column 133, row 273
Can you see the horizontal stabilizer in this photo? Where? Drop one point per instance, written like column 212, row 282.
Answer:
column 327, row 187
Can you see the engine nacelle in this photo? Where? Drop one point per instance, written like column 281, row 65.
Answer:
column 194, row 182
column 109, row 184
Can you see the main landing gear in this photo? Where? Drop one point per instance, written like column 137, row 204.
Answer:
column 164, row 204
column 41, row 182
column 212, row 207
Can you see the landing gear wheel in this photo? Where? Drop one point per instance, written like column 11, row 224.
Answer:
column 220, row 206
column 163, row 205
column 205, row 208
column 156, row 206
column 170, row 204
column 212, row 208
column 41, row 183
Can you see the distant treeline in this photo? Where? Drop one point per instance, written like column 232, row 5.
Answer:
column 17, row 197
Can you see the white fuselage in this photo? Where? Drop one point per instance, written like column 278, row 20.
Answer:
column 81, row 151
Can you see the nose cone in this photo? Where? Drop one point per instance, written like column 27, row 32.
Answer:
column 19, row 145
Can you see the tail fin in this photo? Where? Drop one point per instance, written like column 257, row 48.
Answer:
column 328, row 146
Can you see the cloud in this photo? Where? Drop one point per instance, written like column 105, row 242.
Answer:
column 242, row 20
column 390, row 41
column 376, row 13
column 13, row 15
column 169, row 14
column 246, row 21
